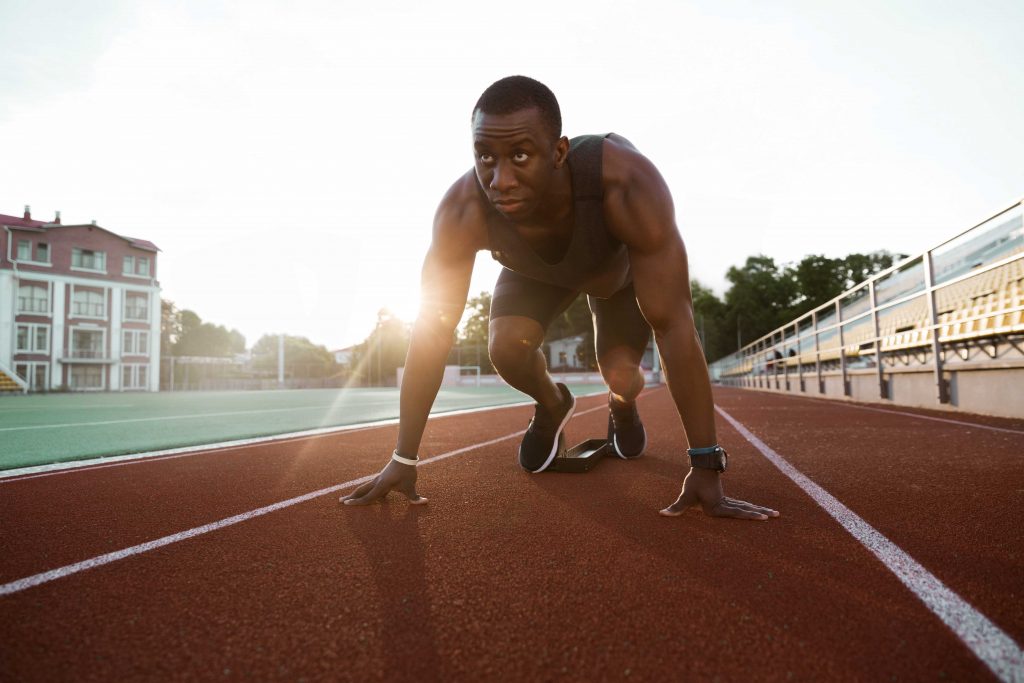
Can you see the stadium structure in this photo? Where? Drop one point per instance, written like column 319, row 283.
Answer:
column 941, row 329
column 79, row 308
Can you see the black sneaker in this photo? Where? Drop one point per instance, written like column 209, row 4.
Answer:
column 626, row 433
column 544, row 437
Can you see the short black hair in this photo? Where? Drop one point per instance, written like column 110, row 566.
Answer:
column 515, row 93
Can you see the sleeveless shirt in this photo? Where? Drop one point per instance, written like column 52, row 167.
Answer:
column 595, row 262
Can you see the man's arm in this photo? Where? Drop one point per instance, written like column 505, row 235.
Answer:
column 458, row 234
column 641, row 214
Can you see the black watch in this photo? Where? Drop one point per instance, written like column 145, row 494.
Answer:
column 716, row 460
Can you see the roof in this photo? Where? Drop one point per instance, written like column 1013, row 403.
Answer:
column 20, row 222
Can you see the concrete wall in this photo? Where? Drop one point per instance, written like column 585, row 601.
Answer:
column 994, row 390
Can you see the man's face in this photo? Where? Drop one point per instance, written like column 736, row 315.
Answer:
column 516, row 157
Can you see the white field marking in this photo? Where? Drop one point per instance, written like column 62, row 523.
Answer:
column 159, row 419
column 988, row 642
column 850, row 404
column 100, row 560
column 37, row 471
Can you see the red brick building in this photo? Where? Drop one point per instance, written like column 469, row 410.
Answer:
column 79, row 307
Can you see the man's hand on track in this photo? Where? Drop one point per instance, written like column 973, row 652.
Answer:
column 394, row 477
column 704, row 488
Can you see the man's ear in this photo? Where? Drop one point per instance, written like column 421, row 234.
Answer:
column 561, row 152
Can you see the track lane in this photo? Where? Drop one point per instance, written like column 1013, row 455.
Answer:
column 55, row 521
column 503, row 576
column 946, row 494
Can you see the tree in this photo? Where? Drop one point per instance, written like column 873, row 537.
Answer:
column 710, row 316
column 302, row 358
column 761, row 298
column 377, row 358
column 170, row 326
column 183, row 333
column 206, row 339
column 471, row 341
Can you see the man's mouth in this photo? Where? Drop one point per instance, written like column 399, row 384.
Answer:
column 508, row 205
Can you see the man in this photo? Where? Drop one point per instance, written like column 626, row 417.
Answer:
column 593, row 216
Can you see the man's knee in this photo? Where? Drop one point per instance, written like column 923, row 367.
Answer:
column 513, row 342
column 620, row 369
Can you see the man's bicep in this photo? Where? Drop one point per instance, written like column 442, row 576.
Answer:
column 445, row 285
column 662, row 285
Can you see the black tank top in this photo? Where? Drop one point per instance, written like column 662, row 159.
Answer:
column 595, row 262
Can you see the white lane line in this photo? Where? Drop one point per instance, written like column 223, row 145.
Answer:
column 102, row 462
column 988, row 642
column 100, row 560
column 159, row 419
column 961, row 423
column 220, row 447
column 850, row 404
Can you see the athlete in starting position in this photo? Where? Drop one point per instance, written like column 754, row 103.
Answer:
column 589, row 215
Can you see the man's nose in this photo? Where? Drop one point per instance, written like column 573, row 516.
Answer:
column 504, row 179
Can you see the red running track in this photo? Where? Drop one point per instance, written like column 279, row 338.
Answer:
column 511, row 576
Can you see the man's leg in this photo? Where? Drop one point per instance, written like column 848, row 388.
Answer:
column 514, row 346
column 621, row 335
column 521, row 310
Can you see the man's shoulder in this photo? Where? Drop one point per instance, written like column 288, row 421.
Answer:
column 623, row 164
column 461, row 215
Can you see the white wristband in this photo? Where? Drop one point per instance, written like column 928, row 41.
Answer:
column 405, row 461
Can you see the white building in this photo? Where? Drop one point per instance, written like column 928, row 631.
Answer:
column 79, row 307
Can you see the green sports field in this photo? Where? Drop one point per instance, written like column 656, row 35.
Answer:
column 48, row 428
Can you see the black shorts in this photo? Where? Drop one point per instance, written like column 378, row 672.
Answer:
column 617, row 320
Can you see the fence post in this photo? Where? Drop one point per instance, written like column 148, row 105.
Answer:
column 842, row 348
column 817, row 353
column 883, row 391
column 929, row 282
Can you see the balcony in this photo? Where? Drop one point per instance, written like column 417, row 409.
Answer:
column 86, row 356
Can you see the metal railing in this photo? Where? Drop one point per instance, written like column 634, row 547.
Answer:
column 969, row 286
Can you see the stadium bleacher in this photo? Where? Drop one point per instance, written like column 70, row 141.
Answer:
column 975, row 278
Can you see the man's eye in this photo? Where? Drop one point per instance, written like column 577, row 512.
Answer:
column 486, row 158
column 520, row 157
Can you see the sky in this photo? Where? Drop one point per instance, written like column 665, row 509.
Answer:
column 288, row 157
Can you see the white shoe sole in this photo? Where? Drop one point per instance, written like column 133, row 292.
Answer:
column 554, row 446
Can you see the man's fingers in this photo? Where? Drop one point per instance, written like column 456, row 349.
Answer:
column 679, row 507
column 724, row 509
column 768, row 512
column 360, row 491
column 378, row 491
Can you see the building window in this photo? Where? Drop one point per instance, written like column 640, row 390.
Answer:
column 136, row 265
column 24, row 250
column 136, row 306
column 43, row 252
column 32, row 338
column 86, row 259
column 136, row 343
column 88, row 343
column 33, row 299
column 89, row 303
column 86, row 377
column 34, row 374
column 134, row 376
